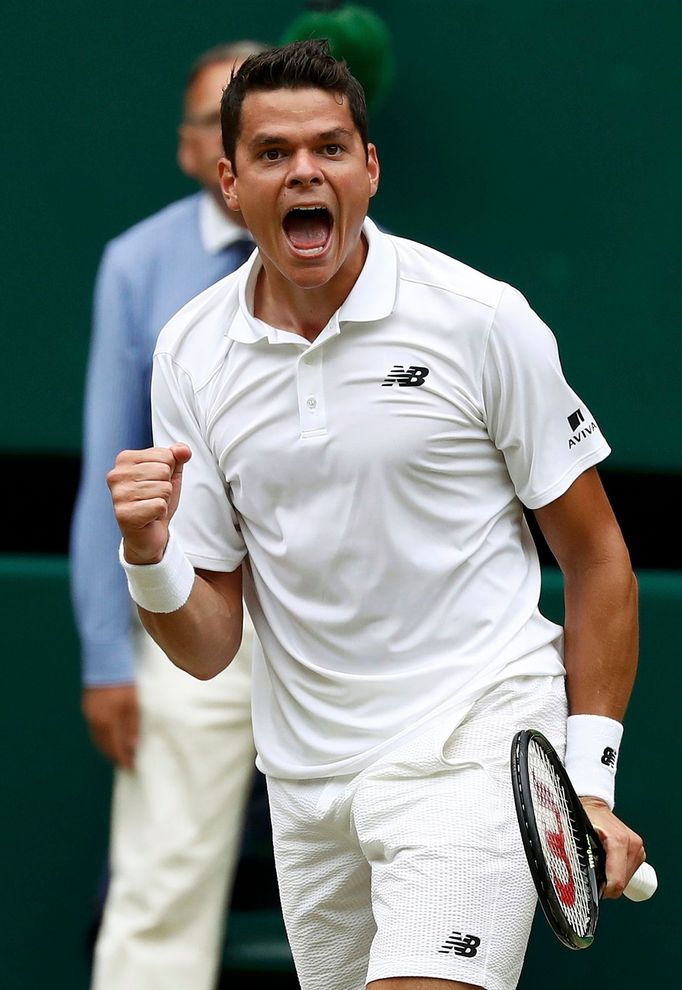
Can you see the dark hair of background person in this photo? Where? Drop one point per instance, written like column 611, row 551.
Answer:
column 227, row 52
column 296, row 66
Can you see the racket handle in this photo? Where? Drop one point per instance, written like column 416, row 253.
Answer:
column 643, row 884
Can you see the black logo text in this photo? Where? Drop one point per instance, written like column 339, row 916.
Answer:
column 581, row 434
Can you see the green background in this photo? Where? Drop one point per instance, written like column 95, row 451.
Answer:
column 537, row 140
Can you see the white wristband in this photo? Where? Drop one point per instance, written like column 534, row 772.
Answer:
column 592, row 743
column 162, row 587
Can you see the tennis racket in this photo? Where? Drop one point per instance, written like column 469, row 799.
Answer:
column 566, row 857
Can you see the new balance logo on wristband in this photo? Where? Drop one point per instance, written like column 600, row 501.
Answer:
column 414, row 376
column 608, row 757
column 460, row 945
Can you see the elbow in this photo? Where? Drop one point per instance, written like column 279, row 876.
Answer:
column 608, row 557
column 623, row 576
column 634, row 589
column 205, row 670
column 206, row 675
column 208, row 667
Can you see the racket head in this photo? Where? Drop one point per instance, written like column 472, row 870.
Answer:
column 563, row 853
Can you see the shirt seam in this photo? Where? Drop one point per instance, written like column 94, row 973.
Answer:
column 484, row 352
column 446, row 288
column 592, row 456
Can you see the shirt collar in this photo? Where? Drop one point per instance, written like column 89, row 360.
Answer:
column 216, row 230
column 372, row 297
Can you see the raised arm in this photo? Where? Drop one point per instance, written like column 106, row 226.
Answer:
column 601, row 635
column 195, row 617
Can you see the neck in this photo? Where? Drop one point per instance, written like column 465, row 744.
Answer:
column 305, row 311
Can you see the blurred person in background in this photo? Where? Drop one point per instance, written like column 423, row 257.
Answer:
column 182, row 750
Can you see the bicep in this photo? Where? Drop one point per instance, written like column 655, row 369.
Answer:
column 226, row 584
column 580, row 526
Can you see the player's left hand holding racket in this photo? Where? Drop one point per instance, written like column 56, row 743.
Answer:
column 566, row 857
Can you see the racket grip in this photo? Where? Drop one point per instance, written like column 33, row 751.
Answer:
column 643, row 884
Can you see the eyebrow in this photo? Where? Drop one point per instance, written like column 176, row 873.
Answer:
column 264, row 140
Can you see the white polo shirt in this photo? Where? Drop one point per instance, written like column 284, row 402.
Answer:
column 373, row 482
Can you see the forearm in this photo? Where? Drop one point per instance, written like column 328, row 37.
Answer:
column 601, row 659
column 600, row 655
column 600, row 594
column 204, row 635
column 601, row 634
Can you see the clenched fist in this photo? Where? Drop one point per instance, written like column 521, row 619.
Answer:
column 145, row 489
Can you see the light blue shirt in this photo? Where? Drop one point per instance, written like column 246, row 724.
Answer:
column 145, row 276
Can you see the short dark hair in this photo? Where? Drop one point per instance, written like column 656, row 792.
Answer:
column 295, row 66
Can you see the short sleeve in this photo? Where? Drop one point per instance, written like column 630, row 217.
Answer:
column 546, row 433
column 205, row 522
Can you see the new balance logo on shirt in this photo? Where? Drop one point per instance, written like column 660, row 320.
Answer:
column 458, row 944
column 414, row 376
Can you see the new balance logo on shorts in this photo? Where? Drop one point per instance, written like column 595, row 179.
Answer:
column 458, row 944
column 414, row 376
column 608, row 757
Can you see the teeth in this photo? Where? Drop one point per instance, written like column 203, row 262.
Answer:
column 310, row 252
column 306, row 208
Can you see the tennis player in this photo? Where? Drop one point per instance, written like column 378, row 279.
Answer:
column 351, row 425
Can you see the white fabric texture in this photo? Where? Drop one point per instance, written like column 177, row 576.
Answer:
column 176, row 827
column 389, row 570
column 415, row 867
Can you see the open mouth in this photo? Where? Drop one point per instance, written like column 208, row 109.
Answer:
column 308, row 229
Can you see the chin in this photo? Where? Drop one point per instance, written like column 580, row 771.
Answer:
column 310, row 277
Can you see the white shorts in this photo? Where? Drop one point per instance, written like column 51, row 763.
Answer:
column 414, row 866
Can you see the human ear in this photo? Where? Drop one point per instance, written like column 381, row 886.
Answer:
column 228, row 184
column 373, row 169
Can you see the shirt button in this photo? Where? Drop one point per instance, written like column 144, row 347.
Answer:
column 312, row 402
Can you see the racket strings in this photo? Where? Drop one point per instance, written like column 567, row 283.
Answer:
column 562, row 842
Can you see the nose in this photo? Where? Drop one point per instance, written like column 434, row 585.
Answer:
column 304, row 170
